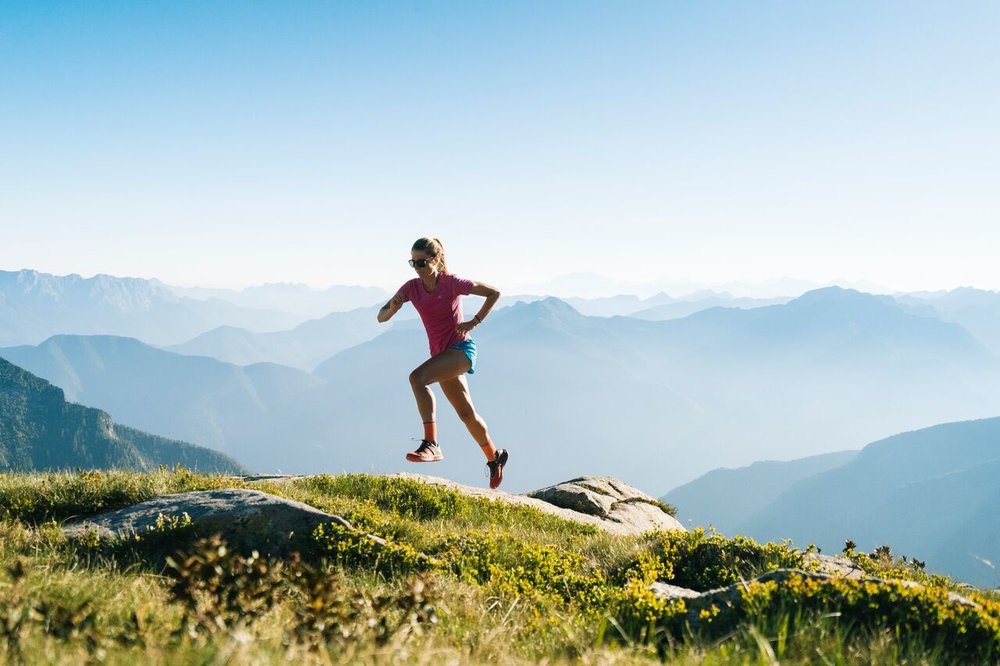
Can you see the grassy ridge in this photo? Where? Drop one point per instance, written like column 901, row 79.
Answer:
column 461, row 579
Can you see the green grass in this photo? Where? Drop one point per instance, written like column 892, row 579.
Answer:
column 462, row 580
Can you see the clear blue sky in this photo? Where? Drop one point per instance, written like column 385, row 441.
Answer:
column 227, row 144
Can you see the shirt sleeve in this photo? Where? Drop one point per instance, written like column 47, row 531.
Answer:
column 404, row 291
column 463, row 287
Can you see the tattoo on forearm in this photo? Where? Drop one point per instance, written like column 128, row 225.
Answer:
column 384, row 308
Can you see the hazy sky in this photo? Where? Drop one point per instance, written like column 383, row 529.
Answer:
column 227, row 144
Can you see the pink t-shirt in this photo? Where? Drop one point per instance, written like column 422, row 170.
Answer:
column 440, row 310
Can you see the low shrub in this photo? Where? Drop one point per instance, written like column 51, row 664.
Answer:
column 666, row 508
column 354, row 549
column 701, row 561
column 328, row 610
column 223, row 591
column 510, row 567
column 918, row 615
column 220, row 589
column 881, row 563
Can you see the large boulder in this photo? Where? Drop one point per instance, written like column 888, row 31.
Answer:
column 614, row 502
column 246, row 518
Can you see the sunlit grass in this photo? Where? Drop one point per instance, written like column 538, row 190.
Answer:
column 510, row 584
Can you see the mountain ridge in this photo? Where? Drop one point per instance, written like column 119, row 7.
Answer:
column 34, row 306
column 41, row 431
column 907, row 490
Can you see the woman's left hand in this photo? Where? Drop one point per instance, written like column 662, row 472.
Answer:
column 467, row 326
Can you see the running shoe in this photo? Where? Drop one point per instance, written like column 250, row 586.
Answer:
column 428, row 451
column 495, row 468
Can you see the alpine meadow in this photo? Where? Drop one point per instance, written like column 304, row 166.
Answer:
column 426, row 332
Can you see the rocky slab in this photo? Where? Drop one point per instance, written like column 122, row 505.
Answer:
column 248, row 518
column 602, row 501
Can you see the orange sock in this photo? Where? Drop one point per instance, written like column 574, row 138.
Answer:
column 430, row 431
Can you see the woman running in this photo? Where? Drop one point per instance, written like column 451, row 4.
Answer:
column 436, row 294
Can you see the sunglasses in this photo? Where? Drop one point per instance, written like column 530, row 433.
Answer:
column 419, row 263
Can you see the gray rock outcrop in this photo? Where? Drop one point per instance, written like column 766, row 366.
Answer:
column 601, row 501
column 246, row 518
column 837, row 566
column 614, row 502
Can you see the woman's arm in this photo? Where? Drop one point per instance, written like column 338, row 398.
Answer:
column 391, row 308
column 492, row 295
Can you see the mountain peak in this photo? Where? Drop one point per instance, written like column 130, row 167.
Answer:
column 550, row 305
column 833, row 292
column 841, row 297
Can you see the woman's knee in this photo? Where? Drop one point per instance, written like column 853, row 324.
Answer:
column 418, row 379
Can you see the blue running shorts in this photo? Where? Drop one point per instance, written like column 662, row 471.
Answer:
column 469, row 347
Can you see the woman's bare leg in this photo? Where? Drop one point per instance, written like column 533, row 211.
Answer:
column 456, row 390
column 449, row 364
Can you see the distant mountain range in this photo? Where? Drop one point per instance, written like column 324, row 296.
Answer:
column 314, row 341
column 658, row 307
column 699, row 302
column 726, row 498
column 933, row 494
column 653, row 402
column 299, row 299
column 620, row 305
column 590, row 285
column 303, row 347
column 35, row 306
column 187, row 397
column 40, row 431
column 976, row 310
